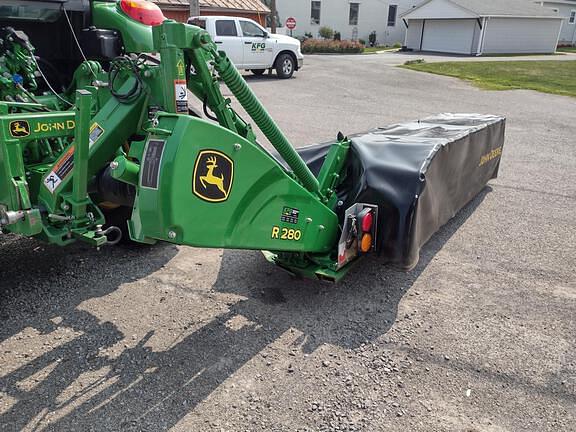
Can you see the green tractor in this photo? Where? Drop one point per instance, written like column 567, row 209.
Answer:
column 98, row 142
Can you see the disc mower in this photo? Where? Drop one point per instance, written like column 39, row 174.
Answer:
column 98, row 141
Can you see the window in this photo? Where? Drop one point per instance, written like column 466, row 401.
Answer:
column 198, row 22
column 315, row 12
column 572, row 18
column 353, row 17
column 392, row 10
column 249, row 29
column 226, row 28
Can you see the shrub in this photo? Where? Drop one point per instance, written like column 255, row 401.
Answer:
column 362, row 42
column 397, row 45
column 337, row 36
column 326, row 33
column 331, row 46
column 372, row 39
column 308, row 35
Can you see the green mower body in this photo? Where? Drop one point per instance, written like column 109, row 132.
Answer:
column 99, row 123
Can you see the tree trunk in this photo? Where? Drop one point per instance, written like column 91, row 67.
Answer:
column 273, row 16
column 194, row 8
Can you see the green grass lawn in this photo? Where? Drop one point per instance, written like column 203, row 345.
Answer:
column 374, row 50
column 567, row 49
column 557, row 77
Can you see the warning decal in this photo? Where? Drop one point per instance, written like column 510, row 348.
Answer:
column 151, row 165
column 60, row 171
column 96, row 132
column 181, row 95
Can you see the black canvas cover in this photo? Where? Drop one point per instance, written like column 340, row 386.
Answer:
column 420, row 174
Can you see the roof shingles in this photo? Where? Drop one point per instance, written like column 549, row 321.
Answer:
column 247, row 5
column 491, row 8
column 504, row 8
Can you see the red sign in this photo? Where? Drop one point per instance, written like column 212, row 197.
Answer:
column 291, row 23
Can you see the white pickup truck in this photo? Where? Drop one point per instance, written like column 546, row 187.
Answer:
column 251, row 47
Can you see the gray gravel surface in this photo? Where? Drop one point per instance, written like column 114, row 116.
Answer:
column 481, row 336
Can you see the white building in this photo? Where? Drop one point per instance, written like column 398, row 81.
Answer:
column 566, row 9
column 354, row 19
column 477, row 27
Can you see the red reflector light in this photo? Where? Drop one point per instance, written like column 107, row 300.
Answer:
column 367, row 221
column 143, row 11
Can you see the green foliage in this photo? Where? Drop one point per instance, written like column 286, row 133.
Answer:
column 362, row 42
column 372, row 39
column 311, row 46
column 556, row 77
column 306, row 36
column 326, row 32
column 337, row 36
column 397, row 45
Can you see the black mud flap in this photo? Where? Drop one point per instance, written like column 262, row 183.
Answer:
column 420, row 174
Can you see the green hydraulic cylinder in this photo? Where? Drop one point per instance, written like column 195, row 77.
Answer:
column 258, row 113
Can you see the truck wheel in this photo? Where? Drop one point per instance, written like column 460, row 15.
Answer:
column 285, row 66
column 257, row 72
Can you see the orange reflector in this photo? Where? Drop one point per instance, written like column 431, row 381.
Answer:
column 366, row 243
column 143, row 11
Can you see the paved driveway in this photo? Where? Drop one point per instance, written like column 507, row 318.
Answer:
column 481, row 336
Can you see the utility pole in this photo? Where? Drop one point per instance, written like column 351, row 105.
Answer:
column 194, row 8
column 273, row 15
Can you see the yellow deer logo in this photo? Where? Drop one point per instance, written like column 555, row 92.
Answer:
column 212, row 179
column 19, row 129
column 213, row 175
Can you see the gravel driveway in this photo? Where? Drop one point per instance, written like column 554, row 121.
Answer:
column 481, row 336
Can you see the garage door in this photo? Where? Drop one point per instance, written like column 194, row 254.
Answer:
column 450, row 36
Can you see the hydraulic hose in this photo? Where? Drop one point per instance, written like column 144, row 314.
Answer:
column 254, row 108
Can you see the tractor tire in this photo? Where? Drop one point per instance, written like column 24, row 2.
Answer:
column 285, row 66
column 258, row 72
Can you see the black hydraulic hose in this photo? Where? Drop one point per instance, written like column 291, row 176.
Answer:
column 254, row 108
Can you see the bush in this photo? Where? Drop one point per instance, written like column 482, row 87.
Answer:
column 362, row 42
column 397, row 45
column 326, row 33
column 337, row 36
column 331, row 46
column 308, row 35
column 372, row 39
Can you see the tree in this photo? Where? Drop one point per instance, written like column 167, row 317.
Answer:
column 326, row 33
column 273, row 19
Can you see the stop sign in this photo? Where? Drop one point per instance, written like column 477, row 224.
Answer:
column 291, row 23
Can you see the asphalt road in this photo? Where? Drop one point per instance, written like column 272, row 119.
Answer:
column 481, row 336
